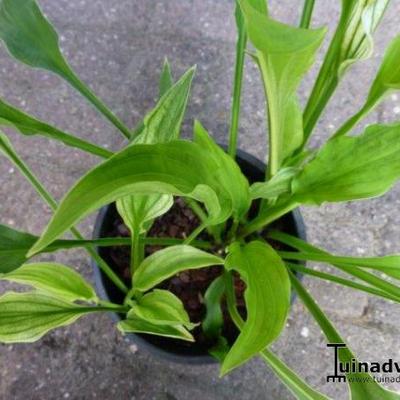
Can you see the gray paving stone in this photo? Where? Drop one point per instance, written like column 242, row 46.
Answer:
column 118, row 47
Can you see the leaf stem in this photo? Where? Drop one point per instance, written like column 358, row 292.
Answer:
column 76, row 82
column 238, row 81
column 307, row 13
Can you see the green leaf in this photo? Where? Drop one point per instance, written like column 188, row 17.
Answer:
column 284, row 54
column 26, row 317
column 28, row 125
column 349, row 168
column 351, row 42
column 137, row 211
column 166, row 79
column 386, row 81
column 54, row 279
column 167, row 262
column 161, row 307
column 213, row 321
column 137, row 325
column 228, row 172
column 220, row 349
column 179, row 168
column 362, row 385
column 279, row 184
column 163, row 123
column 294, row 383
column 13, row 248
column 267, row 299
column 31, row 39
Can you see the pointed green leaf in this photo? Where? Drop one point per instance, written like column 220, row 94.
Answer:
column 31, row 39
column 362, row 385
column 294, row 383
column 228, row 172
column 26, row 317
column 137, row 211
column 167, row 262
column 13, row 248
column 138, row 325
column 348, row 168
column 386, row 81
column 164, row 122
column 161, row 307
column 267, row 299
column 166, row 79
column 284, row 54
column 28, row 125
column 54, row 279
column 179, row 168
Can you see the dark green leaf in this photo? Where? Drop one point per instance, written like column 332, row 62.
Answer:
column 26, row 317
column 349, row 168
column 13, row 248
column 167, row 262
column 179, row 168
column 284, row 54
column 161, row 307
column 267, row 299
column 54, row 279
column 31, row 39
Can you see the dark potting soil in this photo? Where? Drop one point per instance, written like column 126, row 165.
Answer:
column 191, row 285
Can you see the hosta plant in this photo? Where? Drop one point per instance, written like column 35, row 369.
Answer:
column 233, row 233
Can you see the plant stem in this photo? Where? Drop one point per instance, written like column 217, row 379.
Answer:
column 46, row 196
column 342, row 281
column 231, row 300
column 238, row 80
column 194, row 234
column 75, row 81
column 307, row 13
column 262, row 220
column 136, row 251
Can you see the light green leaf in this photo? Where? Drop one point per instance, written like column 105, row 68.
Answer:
column 279, row 184
column 166, row 79
column 351, row 42
column 228, row 172
column 31, row 39
column 137, row 325
column 54, row 279
column 179, row 168
column 139, row 210
column 362, row 385
column 386, row 81
column 26, row 317
column 161, row 307
column 163, row 123
column 300, row 389
column 28, row 125
column 349, row 168
column 213, row 321
column 284, row 54
column 167, row 262
column 358, row 22
column 13, row 248
column 267, row 299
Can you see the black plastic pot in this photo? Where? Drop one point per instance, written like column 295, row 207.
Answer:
column 170, row 349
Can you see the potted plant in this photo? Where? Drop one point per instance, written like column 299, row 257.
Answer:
column 196, row 241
